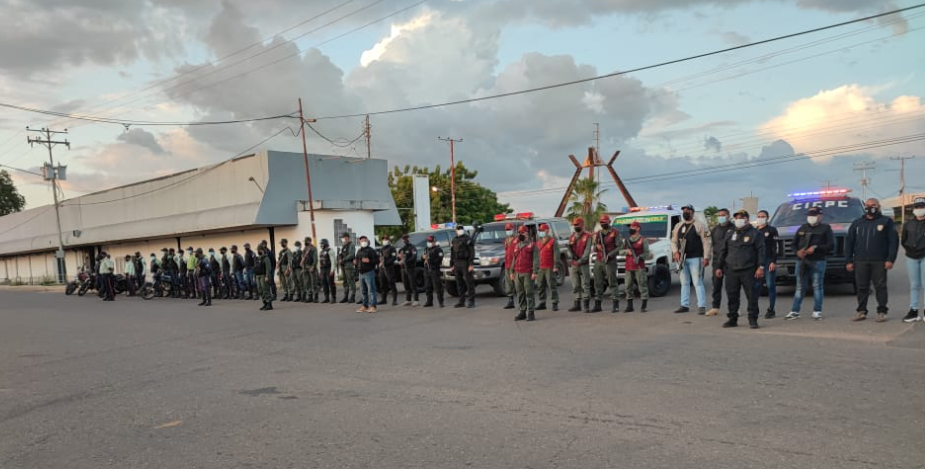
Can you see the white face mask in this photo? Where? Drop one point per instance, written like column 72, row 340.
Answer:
column 722, row 219
column 541, row 234
column 741, row 222
column 386, row 242
column 430, row 245
column 812, row 220
column 364, row 244
column 509, row 232
column 460, row 232
column 919, row 212
column 762, row 221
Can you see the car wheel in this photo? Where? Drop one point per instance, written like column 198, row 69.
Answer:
column 498, row 286
column 660, row 282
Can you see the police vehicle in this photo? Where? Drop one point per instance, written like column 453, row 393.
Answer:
column 443, row 234
column 489, row 249
column 838, row 210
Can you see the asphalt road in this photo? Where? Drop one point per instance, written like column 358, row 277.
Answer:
column 164, row 383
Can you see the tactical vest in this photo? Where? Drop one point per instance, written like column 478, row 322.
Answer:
column 578, row 244
column 548, row 253
column 523, row 258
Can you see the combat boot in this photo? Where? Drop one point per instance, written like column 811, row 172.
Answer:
column 587, row 306
column 645, row 304
column 327, row 299
column 510, row 304
column 520, row 317
column 597, row 307
column 541, row 307
column 429, row 303
column 344, row 299
column 575, row 308
column 531, row 316
column 264, row 307
column 471, row 304
column 555, row 306
column 616, row 306
column 629, row 306
column 353, row 299
column 733, row 321
column 270, row 306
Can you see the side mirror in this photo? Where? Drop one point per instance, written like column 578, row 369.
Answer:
column 478, row 227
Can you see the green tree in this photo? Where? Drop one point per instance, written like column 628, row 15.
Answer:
column 710, row 214
column 10, row 199
column 474, row 203
column 586, row 202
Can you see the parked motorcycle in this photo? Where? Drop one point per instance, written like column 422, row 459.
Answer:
column 162, row 286
column 89, row 283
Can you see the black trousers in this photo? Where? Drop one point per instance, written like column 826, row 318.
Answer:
column 107, row 286
column 408, row 279
column 866, row 272
column 327, row 282
column 432, row 282
column 717, row 291
column 736, row 282
column 387, row 274
column 465, row 281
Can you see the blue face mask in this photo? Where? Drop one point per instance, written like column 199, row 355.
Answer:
column 722, row 219
column 541, row 234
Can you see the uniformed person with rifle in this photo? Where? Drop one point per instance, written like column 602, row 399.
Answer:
column 526, row 267
column 263, row 269
column 387, row 259
column 607, row 242
column 546, row 279
column 579, row 245
column 310, row 280
column 433, row 259
column 462, row 254
column 326, row 272
column 510, row 241
column 636, row 252
column 285, row 269
column 741, row 261
column 298, row 285
column 408, row 256
column 347, row 264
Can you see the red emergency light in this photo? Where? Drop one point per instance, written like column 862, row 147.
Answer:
column 524, row 216
column 500, row 216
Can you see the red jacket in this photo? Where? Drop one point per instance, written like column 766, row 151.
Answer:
column 548, row 250
column 637, row 247
column 526, row 258
column 509, row 244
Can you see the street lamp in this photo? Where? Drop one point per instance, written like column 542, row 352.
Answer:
column 251, row 179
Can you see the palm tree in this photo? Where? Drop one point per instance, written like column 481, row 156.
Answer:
column 586, row 202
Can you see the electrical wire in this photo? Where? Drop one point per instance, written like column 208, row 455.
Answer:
column 337, row 142
column 21, row 170
column 127, row 122
column 624, row 72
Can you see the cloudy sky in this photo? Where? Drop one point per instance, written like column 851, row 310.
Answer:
column 782, row 117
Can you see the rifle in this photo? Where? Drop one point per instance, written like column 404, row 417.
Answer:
column 682, row 248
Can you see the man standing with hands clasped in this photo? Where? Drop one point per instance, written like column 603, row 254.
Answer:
column 526, row 267
column 741, row 261
column 691, row 247
column 813, row 242
column 913, row 240
column 870, row 251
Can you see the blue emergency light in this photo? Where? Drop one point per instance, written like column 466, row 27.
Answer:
column 830, row 193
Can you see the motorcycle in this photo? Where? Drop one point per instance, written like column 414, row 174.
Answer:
column 162, row 286
column 89, row 283
column 73, row 285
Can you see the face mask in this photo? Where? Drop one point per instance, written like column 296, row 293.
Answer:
column 741, row 222
column 386, row 242
column 687, row 216
column 346, row 240
column 211, row 253
column 522, row 237
column 509, row 232
column 872, row 210
column 430, row 245
column 541, row 234
column 722, row 220
column 634, row 232
column 762, row 221
column 578, row 229
column 364, row 244
column 460, row 232
column 812, row 220
column 605, row 227
column 919, row 212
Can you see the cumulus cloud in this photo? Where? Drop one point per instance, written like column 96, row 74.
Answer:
column 141, row 138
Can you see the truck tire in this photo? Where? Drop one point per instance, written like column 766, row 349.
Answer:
column 450, row 288
column 498, row 286
column 560, row 275
column 660, row 281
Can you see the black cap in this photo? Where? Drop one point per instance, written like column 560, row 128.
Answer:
column 814, row 211
column 918, row 202
column 742, row 213
column 324, row 242
column 688, row 207
column 345, row 234
column 363, row 237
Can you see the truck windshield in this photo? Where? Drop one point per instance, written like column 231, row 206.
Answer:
column 652, row 226
column 491, row 234
column 793, row 213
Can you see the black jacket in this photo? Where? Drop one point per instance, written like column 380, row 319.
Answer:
column 741, row 250
column 717, row 235
column 463, row 250
column 433, row 258
column 409, row 256
column 771, row 242
column 872, row 240
column 819, row 235
column 369, row 253
column 914, row 238
column 389, row 255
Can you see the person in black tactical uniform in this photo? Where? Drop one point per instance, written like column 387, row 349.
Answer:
column 139, row 270
column 173, row 267
column 409, row 270
column 771, row 242
column 433, row 260
column 238, row 269
column 326, row 272
column 227, row 279
column 204, row 269
column 741, row 261
column 717, row 235
column 462, row 254
column 295, row 281
column 250, row 263
column 871, row 248
column 216, row 270
column 387, row 272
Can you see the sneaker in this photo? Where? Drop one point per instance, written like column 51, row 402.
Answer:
column 817, row 315
column 702, row 311
column 792, row 315
column 713, row 312
column 407, row 303
column 415, row 304
column 372, row 309
column 862, row 315
column 683, row 309
column 912, row 316
column 881, row 317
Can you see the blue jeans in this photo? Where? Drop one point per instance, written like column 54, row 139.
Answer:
column 769, row 278
column 239, row 278
column 916, row 270
column 368, row 288
column 251, row 278
column 816, row 275
column 693, row 268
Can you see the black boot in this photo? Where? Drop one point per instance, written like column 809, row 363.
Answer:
column 344, row 299
column 208, row 302
column 733, row 321
column 429, row 303
column 264, row 307
column 555, row 306
column 394, row 297
column 541, row 307
column 629, row 306
column 597, row 307
column 616, row 306
column 587, row 305
column 574, row 309
column 317, row 295
column 510, row 304
column 531, row 316
column 645, row 304
column 270, row 306
column 471, row 304
column 327, row 299
column 353, row 299
column 202, row 303
column 753, row 322
column 521, row 316
column 461, row 303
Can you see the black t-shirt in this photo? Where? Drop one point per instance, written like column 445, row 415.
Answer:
column 694, row 247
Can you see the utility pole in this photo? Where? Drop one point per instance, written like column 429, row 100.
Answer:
column 308, row 174
column 452, row 174
column 863, row 168
column 53, row 177
column 369, row 150
column 902, row 183
column 597, row 147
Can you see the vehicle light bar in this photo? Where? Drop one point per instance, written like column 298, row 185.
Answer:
column 645, row 209
column 816, row 194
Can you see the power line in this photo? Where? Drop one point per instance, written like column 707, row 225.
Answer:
column 625, row 72
column 129, row 122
